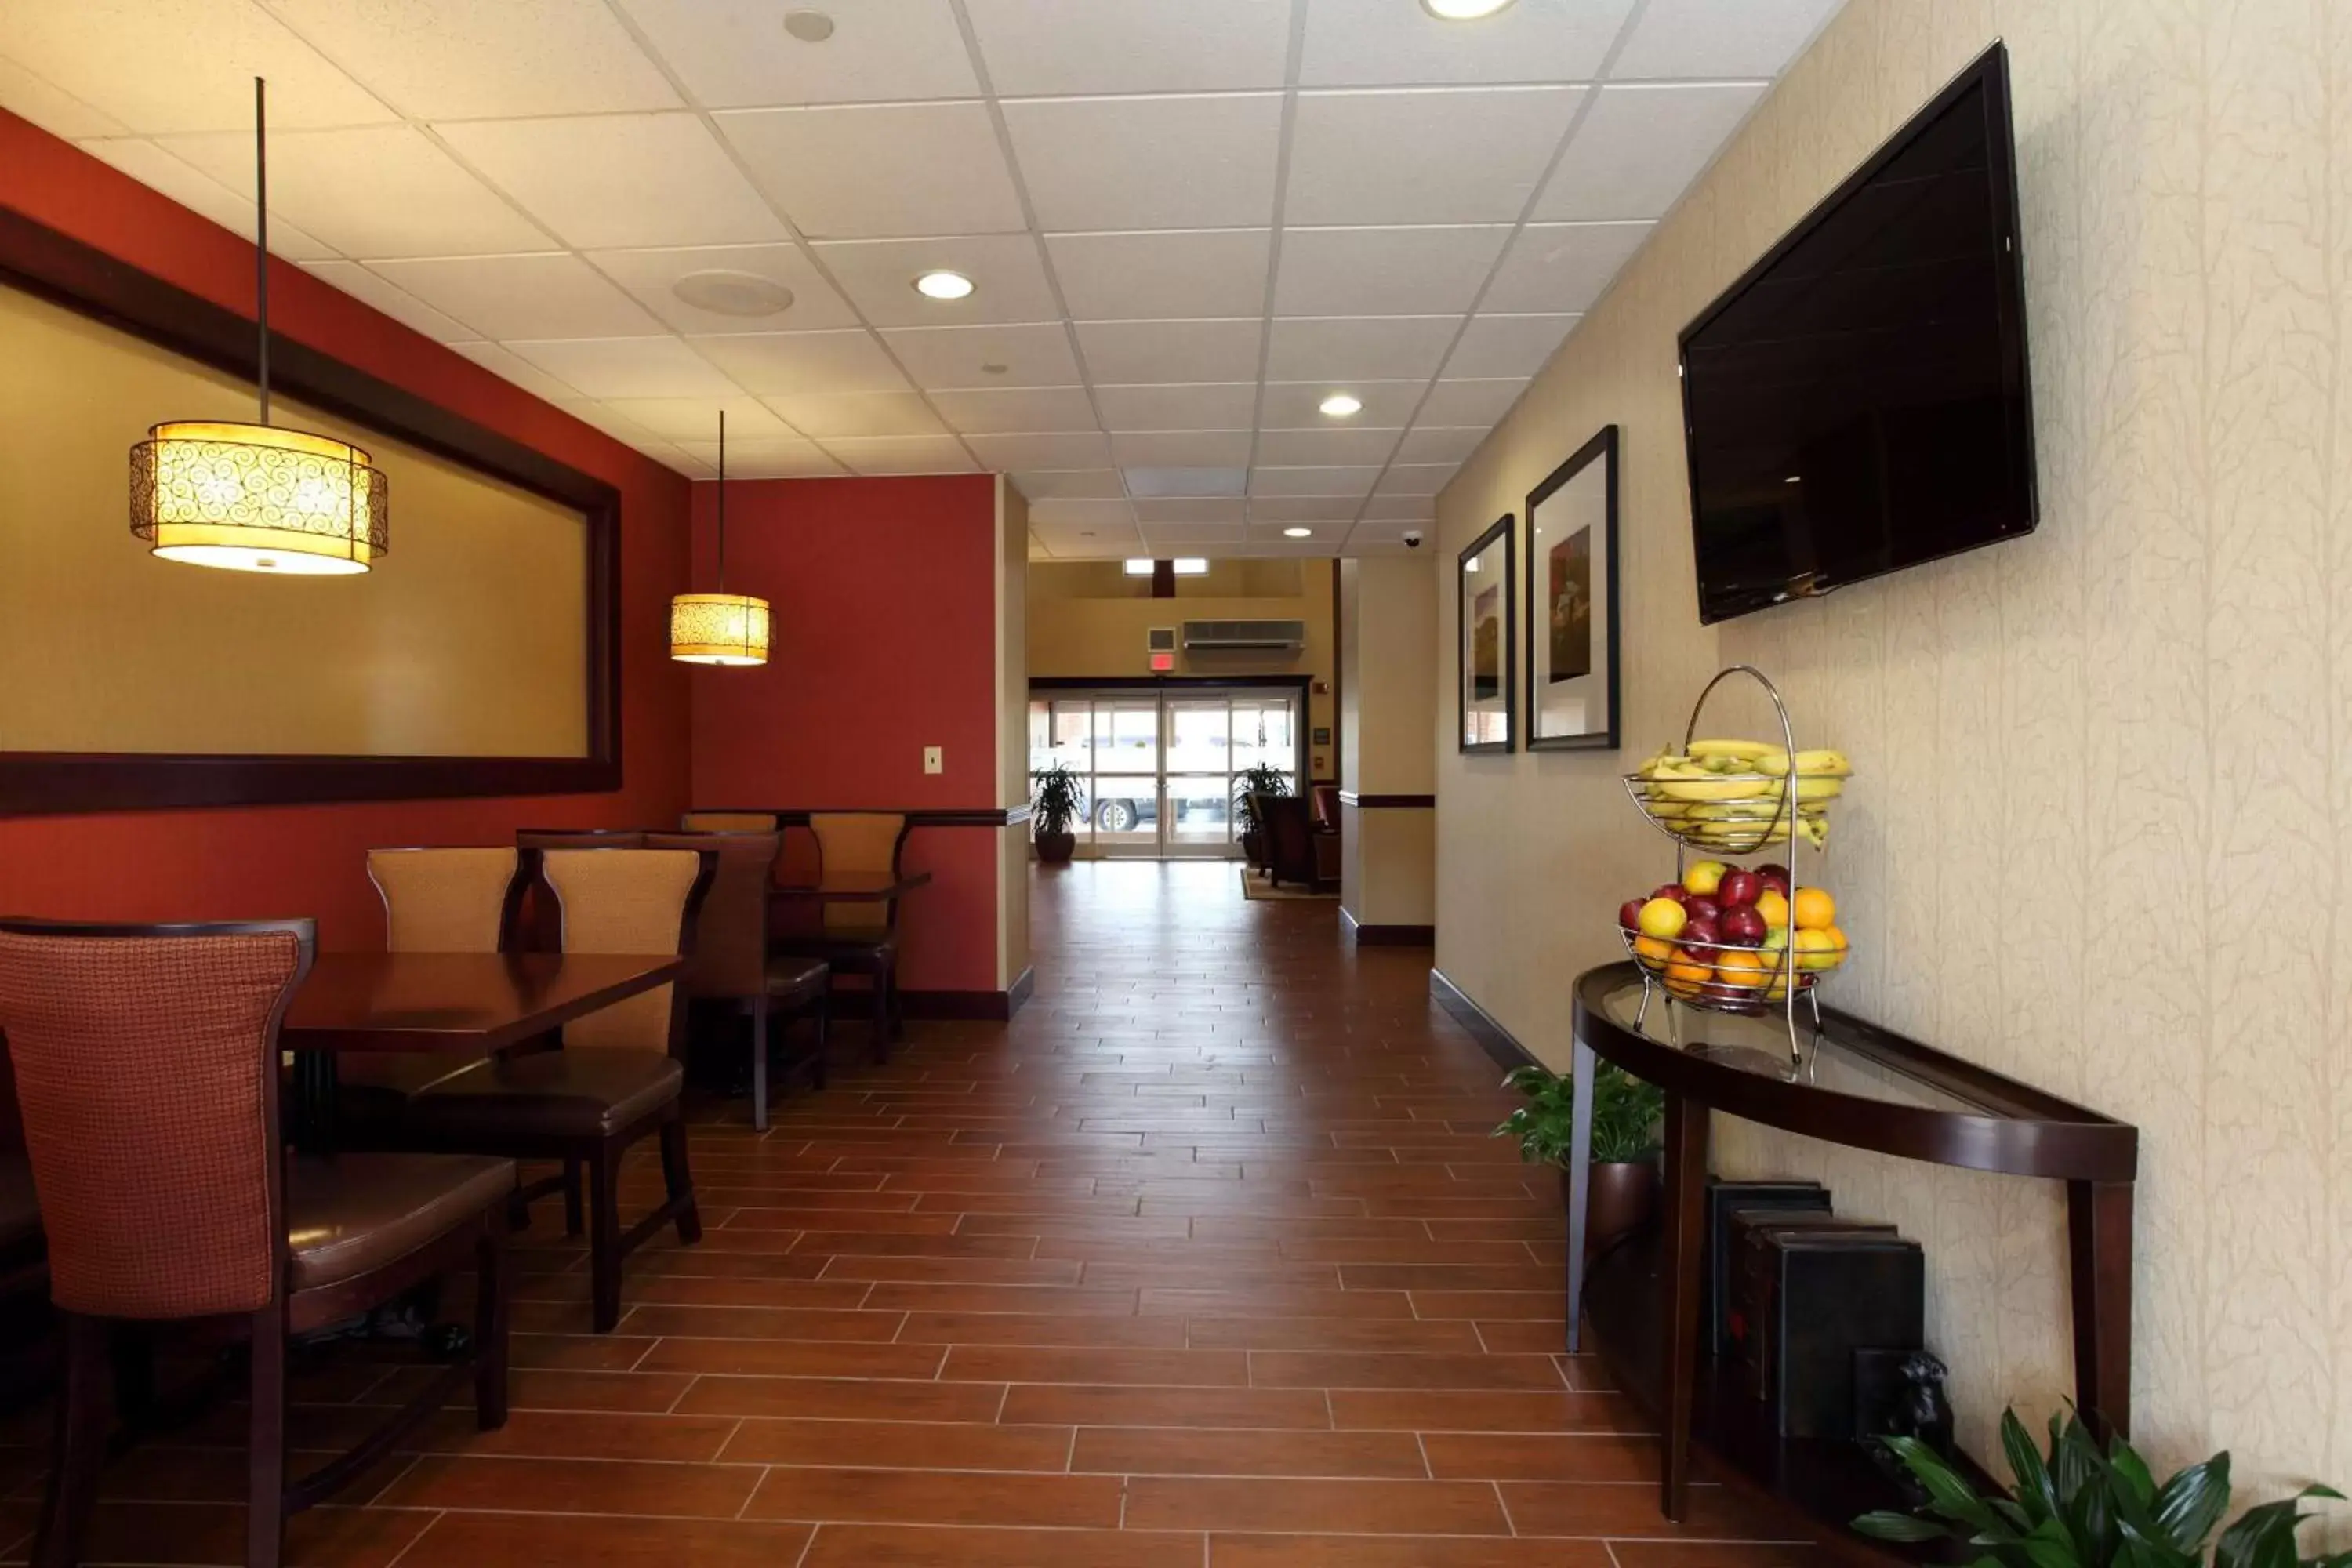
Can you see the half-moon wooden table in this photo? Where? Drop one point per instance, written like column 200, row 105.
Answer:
column 1863, row 1087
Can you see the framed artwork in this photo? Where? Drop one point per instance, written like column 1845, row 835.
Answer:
column 1572, row 602
column 1489, row 662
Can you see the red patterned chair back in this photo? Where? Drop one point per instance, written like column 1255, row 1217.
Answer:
column 146, row 1063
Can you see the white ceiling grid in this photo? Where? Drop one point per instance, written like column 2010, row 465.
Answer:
column 1189, row 221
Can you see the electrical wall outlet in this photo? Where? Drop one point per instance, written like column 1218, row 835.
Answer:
column 932, row 761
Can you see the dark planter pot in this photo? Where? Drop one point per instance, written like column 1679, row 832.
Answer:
column 1055, row 848
column 1254, row 846
column 1623, row 1198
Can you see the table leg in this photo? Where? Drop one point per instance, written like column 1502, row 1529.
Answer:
column 1686, row 1196
column 2099, row 1252
column 1580, row 1184
column 311, row 1117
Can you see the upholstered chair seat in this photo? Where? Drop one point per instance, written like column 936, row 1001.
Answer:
column 580, row 1091
column 858, row 937
column 350, row 1215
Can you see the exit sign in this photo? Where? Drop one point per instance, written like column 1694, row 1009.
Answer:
column 1162, row 663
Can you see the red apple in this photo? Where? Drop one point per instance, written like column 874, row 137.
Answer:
column 1775, row 880
column 1702, row 908
column 1699, row 934
column 1738, row 888
column 1741, row 927
column 1670, row 890
column 1629, row 914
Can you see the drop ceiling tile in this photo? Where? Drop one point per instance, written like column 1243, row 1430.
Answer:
column 1072, row 449
column 60, row 113
column 596, row 416
column 1050, row 484
column 768, row 458
column 1319, row 511
column 1036, row 355
column 200, row 192
column 828, row 414
column 1384, row 271
column 1508, row 345
column 1641, row 147
column 1562, row 267
column 1315, row 535
column 1441, row 442
column 734, row 54
column 784, row 365
column 1211, row 405
column 1196, row 162
column 676, row 461
column 1197, row 45
column 1018, row 410
column 1378, row 43
column 880, row 171
column 903, row 455
column 1059, row 515
column 1293, row 406
column 1429, row 155
column 1401, row 509
column 509, row 296
column 1188, row 512
column 460, row 59
column 611, row 180
column 879, row 276
column 1183, row 449
column 1414, row 479
column 651, row 276
column 1720, row 38
column 689, row 421
column 413, row 200
column 1341, row 444
column 1179, row 274
column 162, row 66
column 503, row 362
column 1146, row 352
column 1166, row 483
column 400, row 305
column 1192, row 536
column 613, row 368
column 1352, row 480
column 1338, row 348
column 1471, row 402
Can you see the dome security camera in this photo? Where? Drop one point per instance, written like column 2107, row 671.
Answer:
column 1413, row 539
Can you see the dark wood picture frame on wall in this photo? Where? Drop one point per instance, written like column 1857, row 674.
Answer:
column 1572, row 602
column 1486, row 637
column 43, row 262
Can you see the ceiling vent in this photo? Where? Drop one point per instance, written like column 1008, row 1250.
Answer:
column 1217, row 635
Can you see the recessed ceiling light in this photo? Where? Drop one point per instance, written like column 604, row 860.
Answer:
column 1340, row 405
column 1464, row 10
column 944, row 285
column 725, row 292
column 816, row 27
column 1297, row 533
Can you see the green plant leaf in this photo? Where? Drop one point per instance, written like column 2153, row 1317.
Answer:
column 1948, row 1493
column 2262, row 1536
column 2048, row 1545
column 2034, row 1493
column 2192, row 1502
column 1882, row 1525
column 2138, row 1483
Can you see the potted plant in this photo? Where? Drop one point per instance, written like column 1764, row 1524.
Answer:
column 1623, row 1191
column 2077, row 1508
column 1259, row 779
column 1058, row 803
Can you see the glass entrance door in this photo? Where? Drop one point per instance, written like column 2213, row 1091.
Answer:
column 1158, row 769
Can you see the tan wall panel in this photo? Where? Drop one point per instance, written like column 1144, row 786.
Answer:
column 1012, row 728
column 468, row 639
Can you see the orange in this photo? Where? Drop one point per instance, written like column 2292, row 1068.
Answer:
column 1837, row 946
column 1653, row 952
column 1663, row 917
column 1817, row 950
column 1688, row 969
column 1704, row 878
column 1740, row 966
column 1772, row 907
column 1815, row 910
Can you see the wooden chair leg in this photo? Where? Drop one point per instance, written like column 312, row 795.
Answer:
column 680, row 1181
column 824, row 1020
column 493, row 1290
column 265, row 1528
column 605, row 1235
column 760, row 1064
column 80, row 1444
column 881, row 1019
column 572, row 1205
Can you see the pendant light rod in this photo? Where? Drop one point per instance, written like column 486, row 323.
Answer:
column 722, row 500
column 261, row 232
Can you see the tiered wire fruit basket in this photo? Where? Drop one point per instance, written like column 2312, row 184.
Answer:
column 1740, row 799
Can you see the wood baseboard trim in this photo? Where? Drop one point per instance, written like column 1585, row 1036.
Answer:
column 1388, row 802
column 984, row 1006
column 1493, row 1038
column 1386, row 936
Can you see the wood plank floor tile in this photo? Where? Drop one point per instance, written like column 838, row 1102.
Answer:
column 533, row 1541
column 842, row 1399
column 1285, row 1408
column 1407, row 1551
column 1630, row 1510
column 1371, row 1508
column 897, row 1546
column 1318, row 1369
column 1425, row 1410
column 907, row 1445
column 1169, row 1368
column 573, row 1486
column 1176, row 1451
column 937, row 1497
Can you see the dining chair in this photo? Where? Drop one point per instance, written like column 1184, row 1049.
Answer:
column 616, row 1078
column 731, row 962
column 728, row 822
column 146, row 1062
column 538, row 927
column 856, row 936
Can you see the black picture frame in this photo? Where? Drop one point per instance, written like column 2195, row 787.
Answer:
column 1468, row 706
column 1604, row 737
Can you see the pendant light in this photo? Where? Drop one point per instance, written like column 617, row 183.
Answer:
column 722, row 628
column 254, row 498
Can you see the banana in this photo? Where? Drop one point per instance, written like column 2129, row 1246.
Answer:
column 1820, row 764
column 1703, row 789
column 1730, row 751
column 1812, row 786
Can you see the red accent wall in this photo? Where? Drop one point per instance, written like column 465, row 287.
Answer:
column 884, row 594
column 309, row 860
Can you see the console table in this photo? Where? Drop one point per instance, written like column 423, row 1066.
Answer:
column 1865, row 1088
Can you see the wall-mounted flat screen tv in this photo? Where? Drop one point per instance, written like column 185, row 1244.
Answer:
column 1857, row 401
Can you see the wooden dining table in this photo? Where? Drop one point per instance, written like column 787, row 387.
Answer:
column 468, row 1003
column 872, row 888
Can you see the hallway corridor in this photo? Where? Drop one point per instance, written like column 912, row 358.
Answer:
column 1205, row 1262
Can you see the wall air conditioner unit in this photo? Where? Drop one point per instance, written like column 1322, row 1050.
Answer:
column 1215, row 635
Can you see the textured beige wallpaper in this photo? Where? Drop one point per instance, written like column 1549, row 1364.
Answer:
column 2100, row 839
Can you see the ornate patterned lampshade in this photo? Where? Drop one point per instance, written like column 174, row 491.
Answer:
column 719, row 629
column 253, row 497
